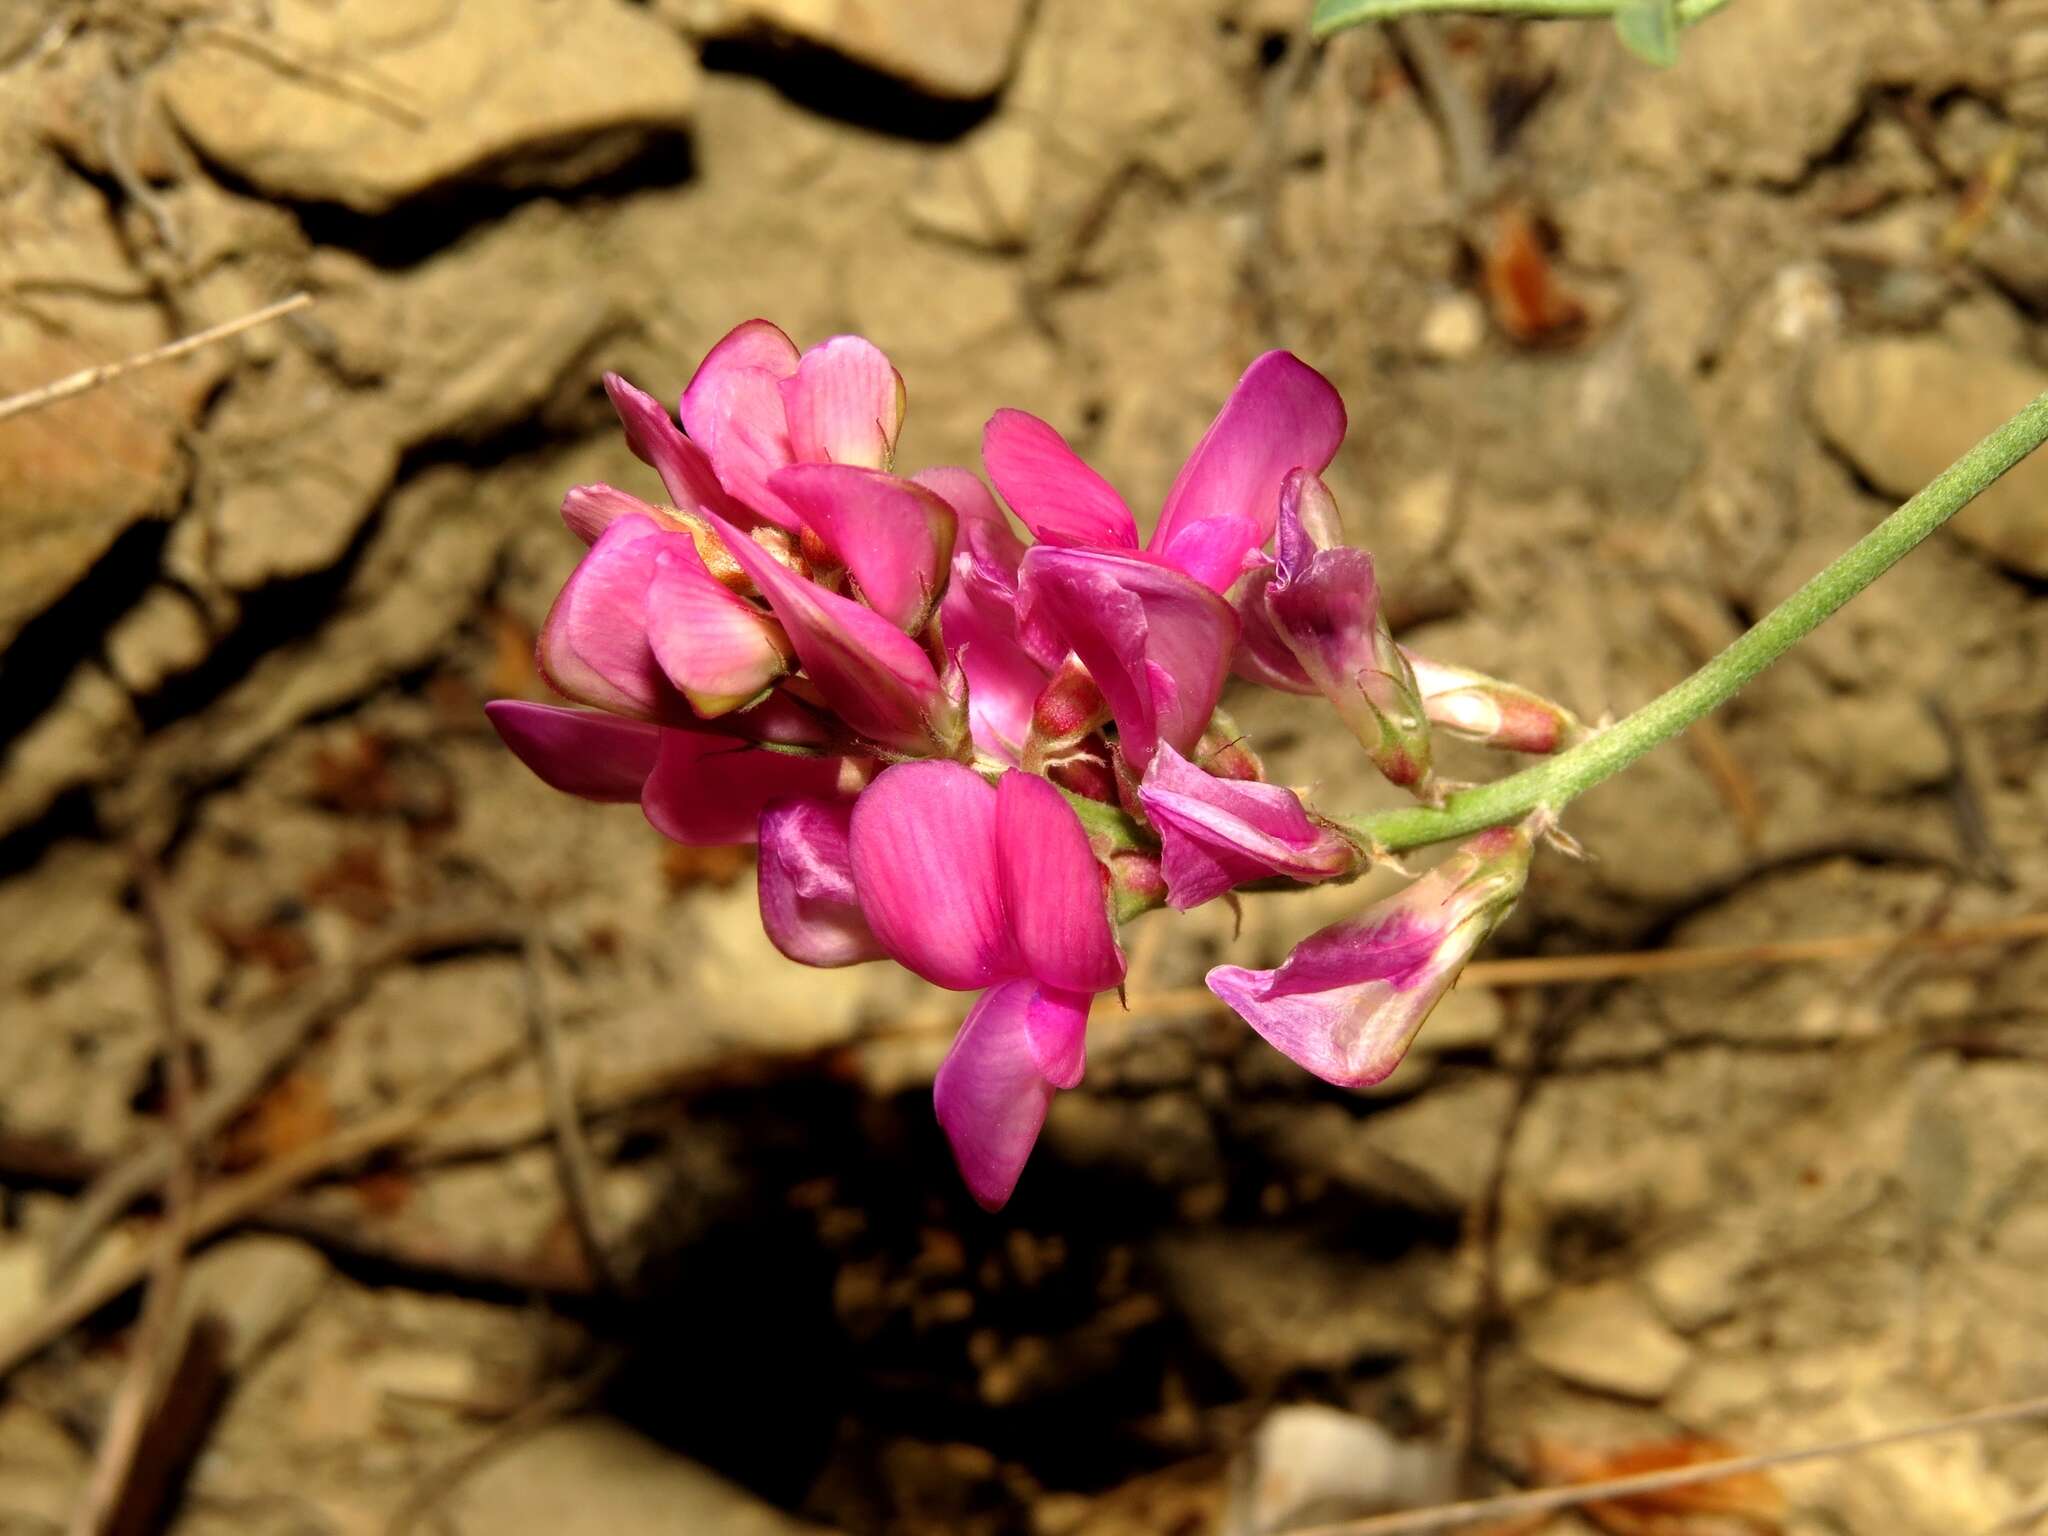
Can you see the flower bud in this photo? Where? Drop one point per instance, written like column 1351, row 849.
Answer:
column 1493, row 713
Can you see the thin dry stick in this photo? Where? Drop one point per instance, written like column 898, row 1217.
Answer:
column 230, row 1202
column 1543, row 1501
column 156, row 1332
column 1565, row 970
column 274, row 1043
column 92, row 378
column 572, row 1148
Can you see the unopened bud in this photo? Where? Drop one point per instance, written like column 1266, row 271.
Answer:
column 1495, row 714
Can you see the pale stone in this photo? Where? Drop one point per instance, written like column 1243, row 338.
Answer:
column 1454, row 327
column 1903, row 408
column 159, row 637
column 947, row 48
column 1699, row 1281
column 1605, row 1337
column 596, row 1477
column 87, row 737
column 521, row 92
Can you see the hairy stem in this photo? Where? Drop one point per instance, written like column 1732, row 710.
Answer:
column 1552, row 784
column 1335, row 15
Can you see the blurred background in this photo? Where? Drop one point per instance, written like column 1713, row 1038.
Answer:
column 1628, row 354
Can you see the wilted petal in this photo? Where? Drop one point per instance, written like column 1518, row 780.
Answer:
column 1219, row 833
column 1157, row 643
column 1058, row 497
column 894, row 537
column 656, row 440
column 713, row 644
column 844, row 404
column 925, row 863
column 590, row 509
column 990, row 1095
column 708, row 790
column 1283, row 414
column 809, row 906
column 1349, row 999
column 593, row 645
column 1263, row 657
column 578, row 751
column 1055, row 891
column 878, row 679
column 1325, row 604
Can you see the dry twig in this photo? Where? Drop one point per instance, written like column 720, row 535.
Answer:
column 572, row 1148
column 274, row 1043
column 157, row 1338
column 231, row 1202
column 86, row 379
column 1541, row 1501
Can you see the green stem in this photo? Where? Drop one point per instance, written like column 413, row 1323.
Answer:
column 1335, row 15
column 1552, row 784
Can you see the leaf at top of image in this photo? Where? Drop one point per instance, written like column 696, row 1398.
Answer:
column 1649, row 30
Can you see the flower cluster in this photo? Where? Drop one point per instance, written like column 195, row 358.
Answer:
column 976, row 754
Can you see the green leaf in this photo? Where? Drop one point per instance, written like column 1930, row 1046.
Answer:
column 1335, row 15
column 1649, row 30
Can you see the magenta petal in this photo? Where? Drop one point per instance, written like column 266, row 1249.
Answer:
column 1350, row 998
column 985, row 535
column 1003, row 682
column 590, row 509
column 809, row 906
column 844, row 404
column 708, row 790
column 656, row 440
column 990, row 1095
column 1058, row 497
column 1219, row 833
column 1055, row 891
column 894, row 537
column 758, row 344
column 878, row 679
column 1213, row 550
column 593, row 645
column 1263, row 656
column 713, row 644
column 1157, row 643
column 1056, row 1023
column 577, row 751
column 1282, row 415
column 925, row 862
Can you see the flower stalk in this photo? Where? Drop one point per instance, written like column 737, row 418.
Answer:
column 1552, row 784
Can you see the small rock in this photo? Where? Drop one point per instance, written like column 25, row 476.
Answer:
column 521, row 92
column 87, row 737
column 1308, row 1464
column 1454, row 328
column 981, row 193
column 1878, row 745
column 161, row 636
column 1605, row 1337
column 259, row 1287
column 1903, row 409
column 594, row 1477
column 1699, row 1281
column 940, row 47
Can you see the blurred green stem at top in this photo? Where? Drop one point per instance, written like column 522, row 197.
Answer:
column 1335, row 15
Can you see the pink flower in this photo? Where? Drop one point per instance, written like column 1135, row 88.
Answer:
column 809, row 906
column 1218, row 833
column 695, row 787
column 1156, row 642
column 1319, row 604
column 979, row 886
column 1348, row 1001
column 1283, row 414
column 978, row 617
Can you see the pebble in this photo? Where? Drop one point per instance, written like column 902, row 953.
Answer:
column 1606, row 1338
